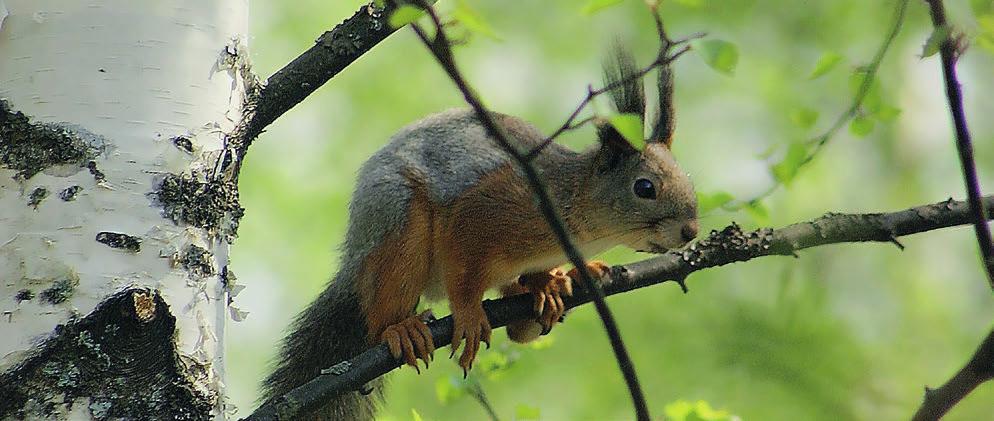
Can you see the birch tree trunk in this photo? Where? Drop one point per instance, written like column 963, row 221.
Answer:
column 114, row 230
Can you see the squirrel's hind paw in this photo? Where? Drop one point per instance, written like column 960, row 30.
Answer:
column 410, row 340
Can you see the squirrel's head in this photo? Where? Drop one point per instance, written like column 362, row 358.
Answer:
column 650, row 201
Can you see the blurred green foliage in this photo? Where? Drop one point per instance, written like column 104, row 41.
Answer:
column 843, row 332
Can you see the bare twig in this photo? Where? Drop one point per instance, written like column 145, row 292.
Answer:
column 978, row 370
column 440, row 47
column 662, row 59
column 719, row 249
column 948, row 52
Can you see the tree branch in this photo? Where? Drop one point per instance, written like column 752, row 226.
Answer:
column 441, row 48
column 978, row 370
column 331, row 52
column 948, row 51
column 720, row 248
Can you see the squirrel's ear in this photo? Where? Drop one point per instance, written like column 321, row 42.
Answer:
column 663, row 124
column 614, row 147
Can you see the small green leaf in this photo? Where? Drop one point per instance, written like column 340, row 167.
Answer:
column 526, row 412
column 594, row 6
column 758, row 212
column 721, row 55
column 861, row 126
column 887, row 113
column 404, row 15
column 825, row 64
column 804, row 117
column 707, row 202
column 695, row 411
column 415, row 415
column 934, row 42
column 786, row 170
column 630, row 127
column 985, row 39
column 472, row 20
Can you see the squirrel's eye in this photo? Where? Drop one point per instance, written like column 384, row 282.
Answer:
column 643, row 188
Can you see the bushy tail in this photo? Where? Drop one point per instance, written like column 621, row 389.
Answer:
column 330, row 330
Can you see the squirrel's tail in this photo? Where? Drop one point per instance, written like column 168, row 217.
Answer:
column 330, row 330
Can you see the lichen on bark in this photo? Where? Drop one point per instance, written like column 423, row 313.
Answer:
column 211, row 205
column 30, row 148
column 120, row 361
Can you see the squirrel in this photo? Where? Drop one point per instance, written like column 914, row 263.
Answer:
column 443, row 211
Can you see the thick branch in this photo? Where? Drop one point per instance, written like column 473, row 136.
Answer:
column 978, row 370
column 720, row 248
column 948, row 52
column 331, row 52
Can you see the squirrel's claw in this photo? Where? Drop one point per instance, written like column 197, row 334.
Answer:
column 547, row 289
column 474, row 328
column 409, row 341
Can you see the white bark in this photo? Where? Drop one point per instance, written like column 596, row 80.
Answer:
column 127, row 77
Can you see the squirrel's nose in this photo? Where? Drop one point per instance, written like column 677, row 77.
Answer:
column 689, row 231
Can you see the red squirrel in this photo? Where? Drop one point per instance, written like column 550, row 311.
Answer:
column 442, row 211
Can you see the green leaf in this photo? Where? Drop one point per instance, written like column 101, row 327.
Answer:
column 786, row 170
column 804, row 118
column 825, row 64
column 630, row 127
column 887, row 113
column 594, row 6
column 861, row 126
column 415, row 415
column 758, row 212
column 707, row 202
column 721, row 55
column 695, row 411
column 934, row 42
column 404, row 15
column 526, row 412
column 472, row 20
column 985, row 39
column 448, row 389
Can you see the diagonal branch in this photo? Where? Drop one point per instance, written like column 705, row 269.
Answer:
column 441, row 48
column 948, row 50
column 330, row 54
column 978, row 370
column 720, row 248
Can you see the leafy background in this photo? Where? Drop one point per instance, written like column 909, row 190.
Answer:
column 843, row 332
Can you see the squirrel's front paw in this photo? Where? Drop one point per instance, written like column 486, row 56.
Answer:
column 473, row 326
column 547, row 290
column 411, row 340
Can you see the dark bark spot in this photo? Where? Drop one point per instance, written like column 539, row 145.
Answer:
column 37, row 195
column 124, row 362
column 197, row 261
column 184, row 143
column 24, row 295
column 69, row 193
column 60, row 291
column 30, row 147
column 97, row 174
column 211, row 205
column 120, row 241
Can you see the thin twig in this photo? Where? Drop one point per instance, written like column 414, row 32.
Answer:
column 948, row 53
column 869, row 75
column 719, row 249
column 662, row 59
column 978, row 370
column 441, row 49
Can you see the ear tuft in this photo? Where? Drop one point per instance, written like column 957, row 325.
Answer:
column 664, row 122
